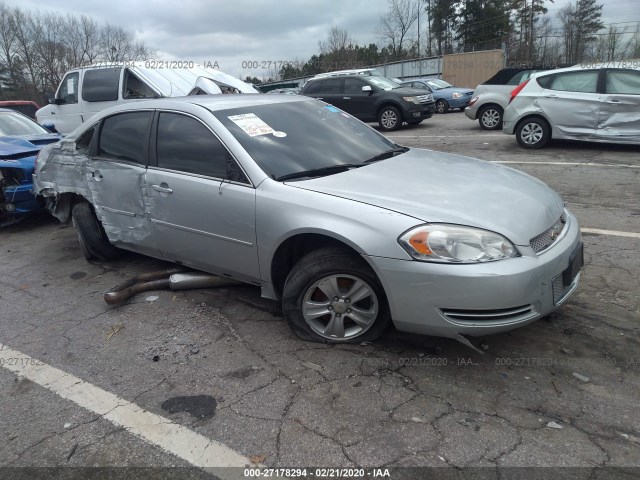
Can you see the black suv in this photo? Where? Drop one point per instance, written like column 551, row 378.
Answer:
column 373, row 98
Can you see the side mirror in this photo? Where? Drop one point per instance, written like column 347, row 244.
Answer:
column 51, row 127
column 55, row 101
column 367, row 88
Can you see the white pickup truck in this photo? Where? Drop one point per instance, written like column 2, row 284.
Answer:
column 85, row 91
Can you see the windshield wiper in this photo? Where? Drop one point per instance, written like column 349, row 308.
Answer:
column 388, row 154
column 319, row 172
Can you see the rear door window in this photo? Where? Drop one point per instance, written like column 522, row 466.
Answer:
column 101, row 85
column 125, row 136
column 333, row 85
column 313, row 87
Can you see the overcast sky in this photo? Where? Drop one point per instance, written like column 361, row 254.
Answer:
column 235, row 31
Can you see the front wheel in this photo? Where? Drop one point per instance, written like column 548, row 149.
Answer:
column 533, row 133
column 331, row 295
column 442, row 106
column 390, row 119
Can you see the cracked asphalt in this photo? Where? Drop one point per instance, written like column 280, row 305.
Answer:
column 561, row 392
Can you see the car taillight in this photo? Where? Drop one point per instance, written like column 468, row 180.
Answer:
column 473, row 100
column 517, row 90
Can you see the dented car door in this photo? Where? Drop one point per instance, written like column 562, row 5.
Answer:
column 619, row 116
column 115, row 176
column 200, row 202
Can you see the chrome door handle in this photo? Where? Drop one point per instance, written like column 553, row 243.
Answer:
column 614, row 101
column 162, row 188
column 551, row 95
column 346, row 98
column 320, row 98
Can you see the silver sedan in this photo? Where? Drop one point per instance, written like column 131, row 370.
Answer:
column 350, row 231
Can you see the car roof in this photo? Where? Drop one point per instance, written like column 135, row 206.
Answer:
column 628, row 65
column 213, row 103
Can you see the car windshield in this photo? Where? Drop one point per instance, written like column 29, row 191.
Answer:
column 438, row 84
column 293, row 137
column 15, row 124
column 383, row 82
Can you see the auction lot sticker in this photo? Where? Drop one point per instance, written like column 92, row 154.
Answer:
column 251, row 124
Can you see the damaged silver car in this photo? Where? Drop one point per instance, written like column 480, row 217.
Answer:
column 595, row 103
column 349, row 230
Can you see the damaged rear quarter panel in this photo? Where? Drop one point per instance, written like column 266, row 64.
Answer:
column 115, row 189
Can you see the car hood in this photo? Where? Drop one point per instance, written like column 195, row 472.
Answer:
column 24, row 144
column 409, row 91
column 456, row 90
column 437, row 187
column 19, row 151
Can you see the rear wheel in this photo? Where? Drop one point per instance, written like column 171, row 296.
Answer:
column 331, row 295
column 491, row 117
column 442, row 106
column 533, row 133
column 91, row 235
column 390, row 118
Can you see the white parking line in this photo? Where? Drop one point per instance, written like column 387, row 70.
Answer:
column 567, row 164
column 614, row 233
column 156, row 430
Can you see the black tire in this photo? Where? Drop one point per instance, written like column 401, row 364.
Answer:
column 533, row 133
column 386, row 119
column 415, row 122
column 442, row 106
column 318, row 266
column 91, row 235
column 490, row 117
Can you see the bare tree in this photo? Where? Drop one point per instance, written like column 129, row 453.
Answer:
column 337, row 50
column 395, row 26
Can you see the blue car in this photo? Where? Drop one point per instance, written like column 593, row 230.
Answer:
column 446, row 95
column 20, row 141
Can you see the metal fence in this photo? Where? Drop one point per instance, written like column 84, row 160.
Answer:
column 464, row 70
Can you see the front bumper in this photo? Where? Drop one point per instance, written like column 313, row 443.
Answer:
column 20, row 197
column 477, row 299
column 419, row 112
column 459, row 102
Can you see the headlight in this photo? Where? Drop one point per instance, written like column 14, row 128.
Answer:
column 411, row 99
column 454, row 244
column 457, row 95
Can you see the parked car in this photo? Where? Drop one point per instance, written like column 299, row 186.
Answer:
column 20, row 140
column 367, row 72
column 349, row 230
column 285, row 91
column 492, row 97
column 85, row 91
column 596, row 103
column 372, row 98
column 446, row 95
column 23, row 106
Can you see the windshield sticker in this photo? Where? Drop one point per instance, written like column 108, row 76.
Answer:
column 331, row 108
column 251, row 124
column 279, row 134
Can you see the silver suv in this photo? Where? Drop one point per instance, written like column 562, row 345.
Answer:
column 492, row 97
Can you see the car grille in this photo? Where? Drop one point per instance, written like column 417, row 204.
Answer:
column 560, row 290
column 425, row 98
column 547, row 238
column 499, row 316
